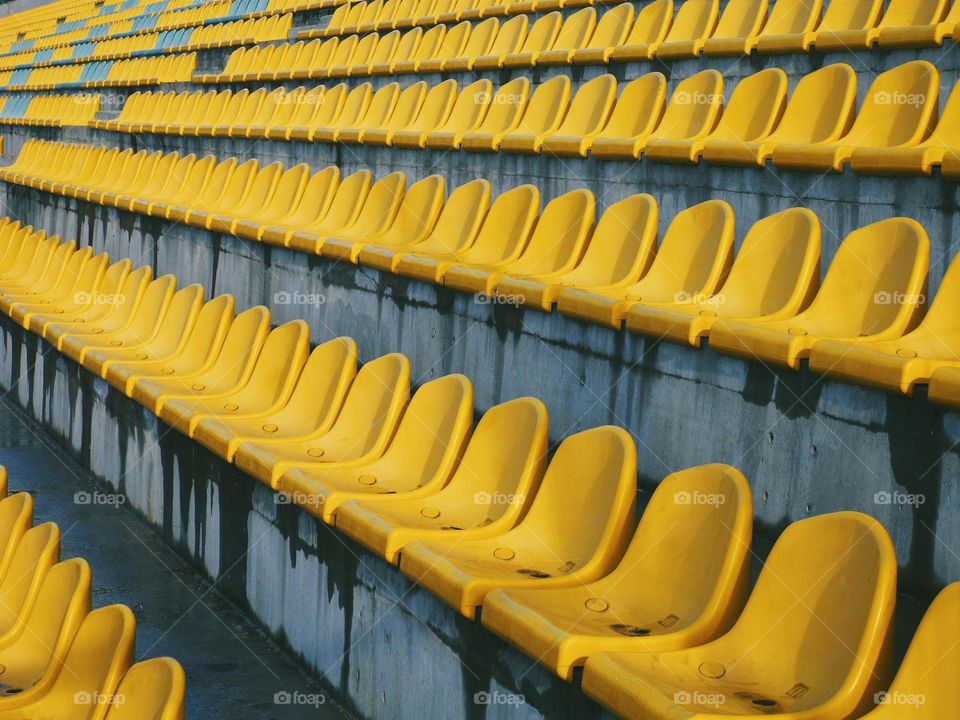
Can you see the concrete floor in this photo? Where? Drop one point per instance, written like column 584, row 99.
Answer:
column 233, row 670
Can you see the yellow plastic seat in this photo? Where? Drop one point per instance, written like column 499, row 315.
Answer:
column 813, row 641
column 16, row 517
column 256, row 200
column 288, row 191
column 319, row 107
column 790, row 26
column 850, row 26
column 692, row 114
column 682, row 581
column 31, row 656
column 377, row 212
column 738, row 27
column 151, row 690
column 359, row 434
column 185, row 184
column 421, row 457
column 188, row 342
column 479, row 42
column 290, row 208
column 774, row 276
column 490, row 488
column 611, row 30
column 574, row 34
column 313, row 403
column 888, row 259
column 59, row 283
column 926, row 685
column 588, row 114
column 71, row 298
column 755, row 108
column 434, row 112
column 541, row 37
column 509, row 39
column 341, row 211
column 505, row 110
column 820, row 110
column 900, row 110
column 693, row 258
column 412, row 223
column 265, row 390
column 556, row 246
column 226, row 188
column 224, row 372
column 941, row 148
column 98, row 657
column 575, row 531
column 619, row 252
column 502, row 238
column 930, row 26
column 37, row 551
column 328, row 127
column 898, row 364
column 694, row 23
column 410, row 103
column 454, row 41
column 543, row 116
column 457, row 225
column 467, row 114
column 427, row 48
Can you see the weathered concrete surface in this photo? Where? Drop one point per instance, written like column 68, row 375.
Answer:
column 233, row 669
column 809, row 445
column 382, row 646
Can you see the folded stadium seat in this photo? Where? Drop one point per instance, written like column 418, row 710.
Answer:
column 888, row 261
column 940, row 148
column 33, row 654
column 378, row 212
column 899, row 110
column 412, row 223
column 222, row 373
column 161, row 334
column 501, row 239
column 544, row 114
column 898, row 364
column 319, row 104
column 342, row 211
column 214, row 200
column 342, row 111
column 359, row 58
column 692, row 114
column 152, row 688
column 139, row 328
column 304, row 205
column 457, row 225
column 588, row 115
column 738, row 27
column 814, row 639
column 575, row 531
column 574, row 34
column 434, row 112
column 541, row 37
column 467, row 115
column 313, row 404
column 635, row 116
column 404, row 51
column 682, row 581
column 454, row 44
column 505, row 110
column 611, row 31
column 98, row 657
column 509, row 38
column 37, row 551
column 489, row 491
column 820, row 110
column 265, row 390
column 359, row 434
column 693, row 259
column 423, row 453
column 754, row 110
column 930, row 25
column 379, row 129
column 773, row 277
column 852, row 28
column 790, row 27
column 426, row 49
column 386, row 48
column 188, row 343
column 693, row 24
column 555, row 246
column 109, row 313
